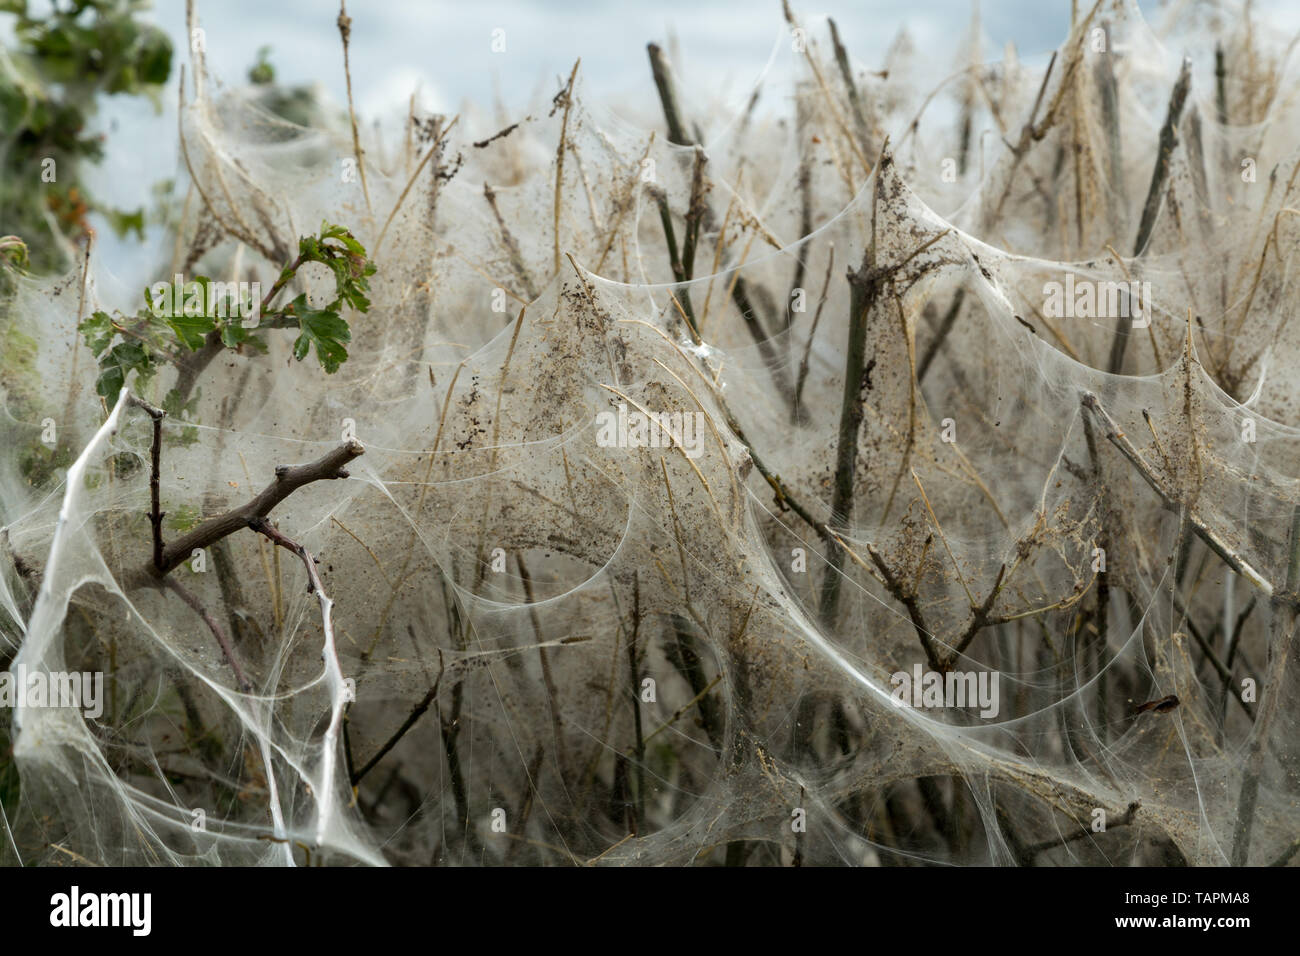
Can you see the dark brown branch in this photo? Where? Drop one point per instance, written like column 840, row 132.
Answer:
column 1220, row 86
column 675, row 260
column 417, row 712
column 1029, row 134
column 197, row 607
column 1283, row 634
column 779, row 371
column 684, row 656
column 981, row 617
column 683, row 265
column 667, row 95
column 639, row 751
column 909, row 600
column 155, row 466
column 264, row 527
column 1155, row 196
column 812, row 332
column 945, row 326
column 1222, row 669
column 288, row 479
column 846, row 73
column 1286, row 855
column 695, row 215
column 863, row 291
column 865, row 287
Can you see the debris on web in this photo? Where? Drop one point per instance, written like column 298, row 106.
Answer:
column 702, row 467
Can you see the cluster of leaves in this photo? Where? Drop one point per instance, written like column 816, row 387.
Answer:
column 13, row 258
column 262, row 73
column 176, row 318
column 325, row 328
column 64, row 59
column 180, row 319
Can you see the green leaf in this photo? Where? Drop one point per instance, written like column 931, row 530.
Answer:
column 98, row 331
column 233, row 334
column 173, row 406
column 154, row 56
column 262, row 72
column 110, row 382
column 185, row 412
column 352, row 244
column 191, row 329
column 124, row 222
column 121, row 360
column 326, row 330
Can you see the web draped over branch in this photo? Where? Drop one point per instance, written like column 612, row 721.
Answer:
column 549, row 649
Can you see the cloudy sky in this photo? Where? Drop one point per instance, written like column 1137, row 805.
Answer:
column 445, row 50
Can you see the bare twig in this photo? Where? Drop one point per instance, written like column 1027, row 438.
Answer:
column 566, row 96
column 1205, row 533
column 197, row 607
column 512, row 245
column 863, row 292
column 345, row 31
column 416, row 713
column 1155, row 195
column 846, row 74
column 155, row 466
column 1164, row 152
column 288, row 479
column 667, row 95
column 812, row 331
column 1279, row 650
column 1104, row 72
column 945, row 326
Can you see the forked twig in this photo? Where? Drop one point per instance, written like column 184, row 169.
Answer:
column 1211, row 538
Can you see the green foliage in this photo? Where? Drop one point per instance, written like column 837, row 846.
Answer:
column 63, row 60
column 181, row 319
column 183, row 411
column 181, row 518
column 326, row 329
column 13, row 251
column 262, row 73
column 20, row 382
column 38, row 464
column 13, row 259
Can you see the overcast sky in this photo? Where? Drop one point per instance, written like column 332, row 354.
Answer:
column 445, row 49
